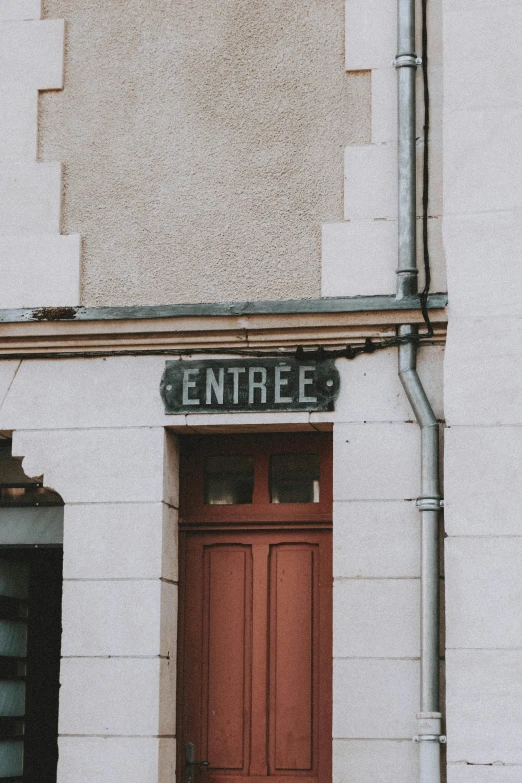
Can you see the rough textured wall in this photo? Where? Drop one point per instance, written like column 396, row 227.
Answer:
column 203, row 144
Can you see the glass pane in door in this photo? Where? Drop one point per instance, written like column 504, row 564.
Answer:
column 229, row 480
column 294, row 478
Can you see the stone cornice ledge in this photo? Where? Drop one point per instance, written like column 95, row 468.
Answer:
column 79, row 331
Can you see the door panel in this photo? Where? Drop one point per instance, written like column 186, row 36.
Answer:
column 226, row 655
column 293, row 581
column 255, row 655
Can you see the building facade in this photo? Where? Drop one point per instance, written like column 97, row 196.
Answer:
column 200, row 402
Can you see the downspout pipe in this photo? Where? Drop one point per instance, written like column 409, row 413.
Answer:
column 429, row 734
column 429, row 503
column 406, row 64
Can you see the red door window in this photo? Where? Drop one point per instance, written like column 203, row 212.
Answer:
column 264, row 478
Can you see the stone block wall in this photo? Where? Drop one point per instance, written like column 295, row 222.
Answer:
column 39, row 267
column 101, row 442
column 483, row 399
column 118, row 670
column 377, row 570
column 359, row 256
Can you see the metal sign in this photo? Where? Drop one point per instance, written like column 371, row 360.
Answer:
column 244, row 385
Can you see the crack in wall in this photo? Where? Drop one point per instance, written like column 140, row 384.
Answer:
column 10, row 383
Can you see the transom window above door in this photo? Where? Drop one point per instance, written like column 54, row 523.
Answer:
column 255, row 478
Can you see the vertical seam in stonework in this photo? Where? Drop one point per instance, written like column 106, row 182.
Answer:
column 11, row 383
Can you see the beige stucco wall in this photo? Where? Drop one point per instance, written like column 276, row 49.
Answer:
column 202, row 144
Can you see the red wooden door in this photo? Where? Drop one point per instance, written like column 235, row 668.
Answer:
column 255, row 630
column 255, row 696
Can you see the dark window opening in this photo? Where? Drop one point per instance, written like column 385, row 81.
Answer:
column 30, row 641
column 31, row 536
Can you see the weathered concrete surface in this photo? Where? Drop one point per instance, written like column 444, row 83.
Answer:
column 203, row 144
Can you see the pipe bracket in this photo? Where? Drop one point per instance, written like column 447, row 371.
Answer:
column 407, row 61
column 430, row 728
column 429, row 503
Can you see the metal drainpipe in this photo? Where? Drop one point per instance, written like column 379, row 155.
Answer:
column 429, row 503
